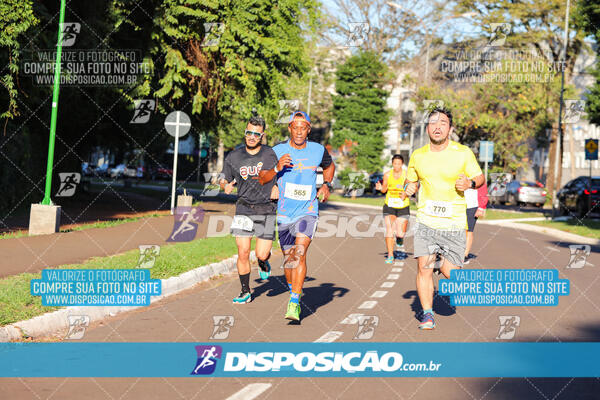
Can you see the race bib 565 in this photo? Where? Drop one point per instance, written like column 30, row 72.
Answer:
column 297, row 192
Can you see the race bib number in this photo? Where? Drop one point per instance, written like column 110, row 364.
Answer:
column 297, row 192
column 242, row 222
column 441, row 209
column 395, row 202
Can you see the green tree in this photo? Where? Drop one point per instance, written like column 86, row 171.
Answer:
column 359, row 108
column 16, row 18
column 538, row 24
column 514, row 115
column 260, row 44
column 587, row 17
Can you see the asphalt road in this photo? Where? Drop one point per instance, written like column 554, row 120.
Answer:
column 345, row 276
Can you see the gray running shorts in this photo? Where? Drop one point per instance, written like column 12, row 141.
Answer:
column 450, row 244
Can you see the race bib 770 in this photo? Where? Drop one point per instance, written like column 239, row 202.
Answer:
column 441, row 209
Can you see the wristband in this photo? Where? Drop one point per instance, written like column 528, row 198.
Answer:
column 276, row 170
column 405, row 186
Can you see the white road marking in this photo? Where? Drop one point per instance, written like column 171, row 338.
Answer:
column 396, row 269
column 250, row 392
column 393, row 276
column 368, row 304
column 552, row 248
column 330, row 336
column 351, row 319
column 379, row 293
column 388, row 284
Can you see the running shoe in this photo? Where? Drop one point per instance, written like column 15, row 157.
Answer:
column 467, row 260
column 427, row 322
column 400, row 245
column 243, row 298
column 293, row 311
column 389, row 260
column 265, row 269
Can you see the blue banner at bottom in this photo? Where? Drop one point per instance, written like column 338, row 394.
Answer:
column 299, row 359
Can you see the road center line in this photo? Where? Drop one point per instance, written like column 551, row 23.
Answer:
column 330, row 336
column 250, row 392
column 379, row 293
column 368, row 304
column 393, row 276
column 388, row 284
column 351, row 319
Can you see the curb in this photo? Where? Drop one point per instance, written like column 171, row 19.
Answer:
column 508, row 223
column 57, row 321
column 557, row 233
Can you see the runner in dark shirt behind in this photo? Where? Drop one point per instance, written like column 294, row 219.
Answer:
column 254, row 211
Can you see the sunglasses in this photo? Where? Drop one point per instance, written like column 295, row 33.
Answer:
column 252, row 133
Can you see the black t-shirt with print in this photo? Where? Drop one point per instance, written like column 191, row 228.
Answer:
column 244, row 168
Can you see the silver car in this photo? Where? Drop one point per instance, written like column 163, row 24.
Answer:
column 524, row 192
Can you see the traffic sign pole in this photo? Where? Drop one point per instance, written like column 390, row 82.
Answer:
column 177, row 124
column 174, row 177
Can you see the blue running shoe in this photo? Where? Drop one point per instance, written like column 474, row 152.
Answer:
column 243, row 298
column 264, row 269
column 427, row 322
column 389, row 260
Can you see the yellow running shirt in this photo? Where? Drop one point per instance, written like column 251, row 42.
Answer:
column 440, row 205
column 395, row 189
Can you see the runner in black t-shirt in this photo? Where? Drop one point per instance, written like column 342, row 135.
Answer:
column 254, row 211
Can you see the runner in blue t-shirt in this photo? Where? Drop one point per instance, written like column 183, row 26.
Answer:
column 298, row 205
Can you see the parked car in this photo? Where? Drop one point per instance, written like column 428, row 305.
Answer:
column 523, row 192
column 116, row 171
column 576, row 195
column 130, row 171
column 160, row 172
column 373, row 179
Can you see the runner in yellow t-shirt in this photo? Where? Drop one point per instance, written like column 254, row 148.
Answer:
column 395, row 209
column 444, row 170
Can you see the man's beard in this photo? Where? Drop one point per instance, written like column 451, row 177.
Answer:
column 252, row 147
column 438, row 142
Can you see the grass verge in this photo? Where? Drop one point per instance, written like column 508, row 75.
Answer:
column 586, row 227
column 97, row 224
column 17, row 304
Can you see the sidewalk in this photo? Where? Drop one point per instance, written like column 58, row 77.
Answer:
column 32, row 254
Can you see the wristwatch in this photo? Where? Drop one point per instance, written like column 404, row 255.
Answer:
column 329, row 185
column 473, row 184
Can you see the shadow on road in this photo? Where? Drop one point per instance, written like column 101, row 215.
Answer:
column 275, row 286
column 315, row 297
column 441, row 304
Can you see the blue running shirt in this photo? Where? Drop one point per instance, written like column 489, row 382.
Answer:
column 298, row 184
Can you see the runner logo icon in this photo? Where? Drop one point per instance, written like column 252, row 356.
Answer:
column 508, row 326
column 579, row 255
column 207, row 359
column 222, row 325
column 68, row 183
column 69, row 33
column 142, row 111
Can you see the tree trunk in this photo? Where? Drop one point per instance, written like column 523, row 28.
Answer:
column 550, row 177
column 571, row 150
column 220, row 155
